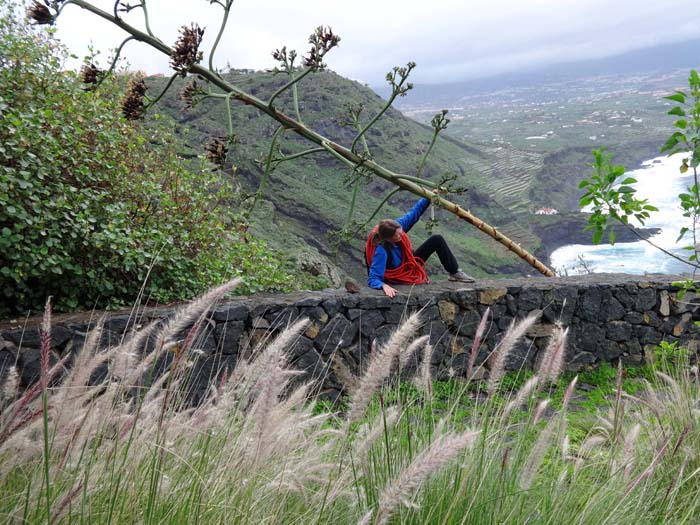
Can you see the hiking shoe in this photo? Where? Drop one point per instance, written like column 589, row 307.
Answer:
column 461, row 277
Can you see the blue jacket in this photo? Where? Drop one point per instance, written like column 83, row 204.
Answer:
column 375, row 278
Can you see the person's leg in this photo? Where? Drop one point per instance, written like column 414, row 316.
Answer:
column 437, row 244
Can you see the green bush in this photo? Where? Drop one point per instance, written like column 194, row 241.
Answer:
column 92, row 206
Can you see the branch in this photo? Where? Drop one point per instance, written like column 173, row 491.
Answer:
column 662, row 250
column 165, row 89
column 292, row 82
column 227, row 10
column 298, row 155
column 269, row 168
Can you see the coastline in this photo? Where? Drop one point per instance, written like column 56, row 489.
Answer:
column 562, row 230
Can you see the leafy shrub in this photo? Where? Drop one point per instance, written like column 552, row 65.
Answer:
column 93, row 206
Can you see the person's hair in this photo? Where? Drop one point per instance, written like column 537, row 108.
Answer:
column 385, row 231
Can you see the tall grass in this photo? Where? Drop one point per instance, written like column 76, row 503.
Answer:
column 258, row 450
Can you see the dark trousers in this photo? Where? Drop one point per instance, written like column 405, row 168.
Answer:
column 436, row 243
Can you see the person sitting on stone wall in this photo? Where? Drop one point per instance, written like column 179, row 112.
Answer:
column 390, row 258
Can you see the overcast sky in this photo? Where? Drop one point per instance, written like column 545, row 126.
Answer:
column 450, row 40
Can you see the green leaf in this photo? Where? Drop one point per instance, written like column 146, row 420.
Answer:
column 677, row 97
column 611, row 237
column 678, row 111
column 597, row 236
column 629, row 180
column 682, row 233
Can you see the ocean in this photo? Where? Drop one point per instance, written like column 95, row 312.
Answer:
column 660, row 181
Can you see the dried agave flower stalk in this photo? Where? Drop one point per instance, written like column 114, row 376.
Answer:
column 186, row 52
column 189, row 94
column 322, row 40
column 40, row 14
column 133, row 106
column 90, row 75
column 216, row 150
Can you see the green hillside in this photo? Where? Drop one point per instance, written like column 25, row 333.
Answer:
column 307, row 198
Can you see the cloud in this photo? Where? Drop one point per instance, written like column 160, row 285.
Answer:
column 449, row 39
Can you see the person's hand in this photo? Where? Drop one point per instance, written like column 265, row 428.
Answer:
column 391, row 292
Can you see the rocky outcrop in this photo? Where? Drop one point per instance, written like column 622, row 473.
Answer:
column 610, row 318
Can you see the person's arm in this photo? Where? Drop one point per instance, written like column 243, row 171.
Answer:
column 408, row 220
column 375, row 278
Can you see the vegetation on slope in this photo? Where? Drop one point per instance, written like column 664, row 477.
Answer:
column 92, row 207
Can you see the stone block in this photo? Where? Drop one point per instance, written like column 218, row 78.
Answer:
column 260, row 323
column 230, row 312
column 31, row 337
column 610, row 350
column 396, row 314
column 29, row 365
column 310, row 301
column 541, row 330
column 465, row 298
column 354, row 313
column 370, row 302
column 281, row 318
column 468, row 322
column 664, row 303
column 332, row 306
column 384, row 332
column 689, row 303
column 491, row 296
column 448, row 311
column 626, row 296
column 313, row 330
column 522, row 355
column 348, row 301
column 647, row 335
column 338, row 333
column 646, row 299
column 370, row 321
column 228, row 336
column 511, row 305
column 618, row 331
column 529, row 299
column 680, row 328
column 634, row 317
column 120, row 324
column 610, row 308
column 651, row 319
column 590, row 303
column 587, row 337
column 560, row 305
column 315, row 313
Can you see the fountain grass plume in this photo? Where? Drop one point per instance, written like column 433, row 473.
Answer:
column 478, row 336
column 180, row 321
column 439, row 453
column 520, row 397
column 537, row 454
column 372, row 431
column 500, row 353
column 552, row 363
column 424, row 381
column 380, row 367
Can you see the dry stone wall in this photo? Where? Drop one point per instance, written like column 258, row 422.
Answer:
column 610, row 318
